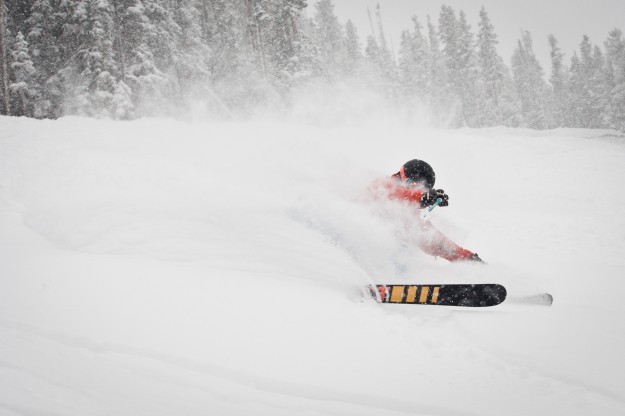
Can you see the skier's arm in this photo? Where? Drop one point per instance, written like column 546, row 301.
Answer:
column 421, row 197
column 411, row 195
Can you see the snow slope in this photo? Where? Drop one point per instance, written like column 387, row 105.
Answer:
column 158, row 267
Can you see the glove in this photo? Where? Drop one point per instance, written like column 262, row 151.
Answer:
column 430, row 196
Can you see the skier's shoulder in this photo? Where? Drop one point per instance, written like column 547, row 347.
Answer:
column 392, row 187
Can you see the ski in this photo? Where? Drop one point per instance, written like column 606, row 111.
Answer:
column 468, row 295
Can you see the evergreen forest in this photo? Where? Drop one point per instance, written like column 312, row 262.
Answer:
column 126, row 59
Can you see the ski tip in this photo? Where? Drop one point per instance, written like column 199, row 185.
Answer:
column 542, row 299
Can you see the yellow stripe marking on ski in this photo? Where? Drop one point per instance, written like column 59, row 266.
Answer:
column 412, row 294
column 424, row 294
column 435, row 295
column 397, row 295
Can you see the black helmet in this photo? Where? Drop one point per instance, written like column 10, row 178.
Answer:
column 418, row 171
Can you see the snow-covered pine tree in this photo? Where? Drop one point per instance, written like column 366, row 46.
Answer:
column 387, row 56
column 329, row 38
column 448, row 34
column 492, row 73
column 162, row 33
column 377, row 56
column 559, row 80
column 381, row 39
column 23, row 85
column 584, row 73
column 600, row 85
column 234, row 75
column 353, row 49
column 441, row 95
column 136, row 36
column 414, row 64
column 615, row 65
column 52, row 36
column 380, row 67
column 467, row 70
column 586, row 86
column 223, row 29
column 449, row 41
column 123, row 104
column 460, row 58
column 304, row 63
column 575, row 107
column 527, row 75
column 292, row 57
column 94, row 84
column 17, row 15
column 191, row 55
column 4, row 73
column 372, row 52
column 257, row 20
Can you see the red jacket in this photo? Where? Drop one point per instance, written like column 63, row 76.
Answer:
column 395, row 189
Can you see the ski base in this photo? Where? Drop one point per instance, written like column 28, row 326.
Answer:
column 467, row 295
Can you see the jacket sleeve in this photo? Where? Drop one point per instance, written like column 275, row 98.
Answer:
column 391, row 189
column 410, row 195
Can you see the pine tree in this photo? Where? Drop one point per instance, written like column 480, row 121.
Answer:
column 585, row 92
column 380, row 64
column 138, row 69
column 492, row 73
column 4, row 73
column 449, row 36
column 162, row 33
column 94, row 89
column 223, row 34
column 378, row 56
column 449, row 40
column 291, row 53
column 257, row 22
column 414, row 64
column 284, row 52
column 353, row 49
column 575, row 107
column 329, row 38
column 190, row 54
column 53, row 39
column 559, row 81
column 587, row 86
column 122, row 105
column 528, row 80
column 23, row 87
column 615, row 66
column 441, row 95
column 383, row 46
column 468, row 74
column 372, row 52
column 17, row 15
column 599, row 82
column 460, row 59
column 234, row 74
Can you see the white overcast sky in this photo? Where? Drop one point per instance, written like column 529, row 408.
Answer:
column 568, row 20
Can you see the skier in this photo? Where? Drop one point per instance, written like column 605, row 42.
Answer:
column 414, row 185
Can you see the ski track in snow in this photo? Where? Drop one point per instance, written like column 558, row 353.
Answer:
column 163, row 268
